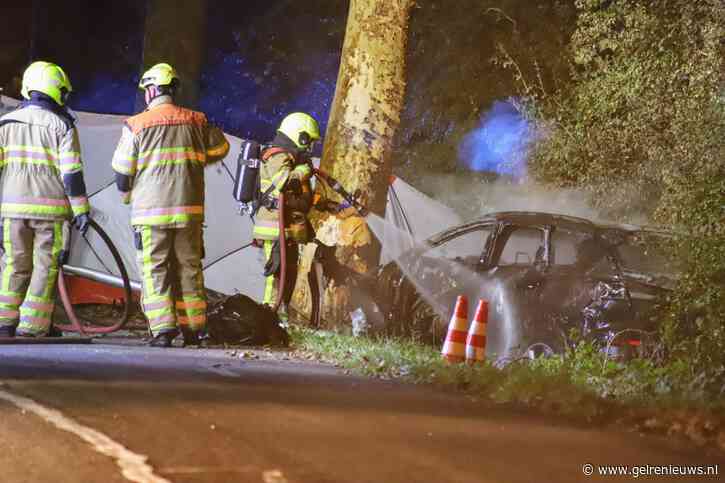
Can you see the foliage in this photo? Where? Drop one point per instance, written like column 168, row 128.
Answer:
column 581, row 383
column 642, row 128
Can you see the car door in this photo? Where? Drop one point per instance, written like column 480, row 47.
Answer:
column 517, row 268
column 422, row 286
column 574, row 254
column 520, row 258
column 457, row 259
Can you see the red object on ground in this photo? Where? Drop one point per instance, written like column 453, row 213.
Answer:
column 454, row 348
column 476, row 339
column 85, row 291
column 392, row 179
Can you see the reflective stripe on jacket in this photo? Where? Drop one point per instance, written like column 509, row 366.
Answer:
column 279, row 169
column 42, row 172
column 162, row 152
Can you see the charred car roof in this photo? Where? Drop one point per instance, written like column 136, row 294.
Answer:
column 542, row 219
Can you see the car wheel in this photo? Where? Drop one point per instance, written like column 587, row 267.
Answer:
column 539, row 349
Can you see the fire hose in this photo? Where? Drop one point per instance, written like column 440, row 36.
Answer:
column 337, row 187
column 282, row 255
column 75, row 323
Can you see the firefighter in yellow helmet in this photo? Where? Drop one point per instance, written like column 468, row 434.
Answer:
column 159, row 165
column 42, row 189
column 286, row 169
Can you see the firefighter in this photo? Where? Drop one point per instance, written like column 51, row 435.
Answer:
column 159, row 165
column 42, row 189
column 286, row 169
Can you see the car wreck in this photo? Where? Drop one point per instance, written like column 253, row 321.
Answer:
column 544, row 275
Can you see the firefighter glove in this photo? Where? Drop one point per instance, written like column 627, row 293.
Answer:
column 81, row 222
column 275, row 261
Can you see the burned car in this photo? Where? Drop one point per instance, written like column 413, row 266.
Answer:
column 542, row 274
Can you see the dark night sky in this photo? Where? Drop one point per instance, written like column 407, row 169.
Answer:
column 263, row 58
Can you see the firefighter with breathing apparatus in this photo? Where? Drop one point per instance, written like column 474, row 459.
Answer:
column 159, row 165
column 42, row 188
column 281, row 223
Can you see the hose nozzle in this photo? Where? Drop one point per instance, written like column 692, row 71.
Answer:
column 352, row 200
column 355, row 201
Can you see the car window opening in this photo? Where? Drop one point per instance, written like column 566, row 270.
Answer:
column 468, row 247
column 525, row 246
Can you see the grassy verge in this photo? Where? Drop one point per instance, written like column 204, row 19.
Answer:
column 580, row 384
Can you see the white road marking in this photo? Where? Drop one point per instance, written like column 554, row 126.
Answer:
column 133, row 466
column 198, row 470
column 273, row 476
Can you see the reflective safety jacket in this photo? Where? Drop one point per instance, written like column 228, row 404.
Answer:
column 278, row 168
column 42, row 173
column 160, row 160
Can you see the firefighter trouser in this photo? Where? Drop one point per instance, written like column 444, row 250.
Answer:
column 169, row 262
column 29, row 273
column 271, row 285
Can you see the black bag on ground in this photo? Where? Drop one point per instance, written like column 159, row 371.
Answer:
column 237, row 319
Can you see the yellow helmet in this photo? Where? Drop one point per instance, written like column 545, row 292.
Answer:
column 47, row 78
column 158, row 75
column 301, row 128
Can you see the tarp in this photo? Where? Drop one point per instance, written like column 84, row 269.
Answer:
column 411, row 217
column 227, row 268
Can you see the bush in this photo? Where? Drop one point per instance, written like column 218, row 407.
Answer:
column 642, row 128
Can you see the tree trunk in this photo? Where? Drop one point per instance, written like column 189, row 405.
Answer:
column 176, row 34
column 364, row 118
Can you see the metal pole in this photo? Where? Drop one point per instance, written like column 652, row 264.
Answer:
column 100, row 277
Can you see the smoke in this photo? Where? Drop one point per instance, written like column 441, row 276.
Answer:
column 500, row 144
column 495, row 156
column 472, row 196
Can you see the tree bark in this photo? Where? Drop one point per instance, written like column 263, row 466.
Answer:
column 358, row 144
column 176, row 34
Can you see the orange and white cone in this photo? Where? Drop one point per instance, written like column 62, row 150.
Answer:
column 454, row 348
column 476, row 340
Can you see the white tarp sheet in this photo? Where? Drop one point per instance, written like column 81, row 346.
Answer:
column 227, row 269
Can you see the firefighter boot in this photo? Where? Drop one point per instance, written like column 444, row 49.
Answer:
column 195, row 338
column 164, row 339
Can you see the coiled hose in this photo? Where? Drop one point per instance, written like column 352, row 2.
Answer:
column 75, row 323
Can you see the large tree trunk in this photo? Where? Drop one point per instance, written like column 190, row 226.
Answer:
column 364, row 118
column 176, row 34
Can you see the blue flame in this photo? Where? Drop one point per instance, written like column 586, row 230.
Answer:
column 500, row 143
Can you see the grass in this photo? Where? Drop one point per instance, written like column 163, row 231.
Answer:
column 581, row 385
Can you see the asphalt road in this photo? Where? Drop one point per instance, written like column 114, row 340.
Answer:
column 208, row 416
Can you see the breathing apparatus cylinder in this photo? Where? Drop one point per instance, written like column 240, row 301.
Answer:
column 246, row 179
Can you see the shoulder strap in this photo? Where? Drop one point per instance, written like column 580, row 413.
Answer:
column 269, row 152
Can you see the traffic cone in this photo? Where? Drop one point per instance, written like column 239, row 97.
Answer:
column 454, row 348
column 476, row 339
